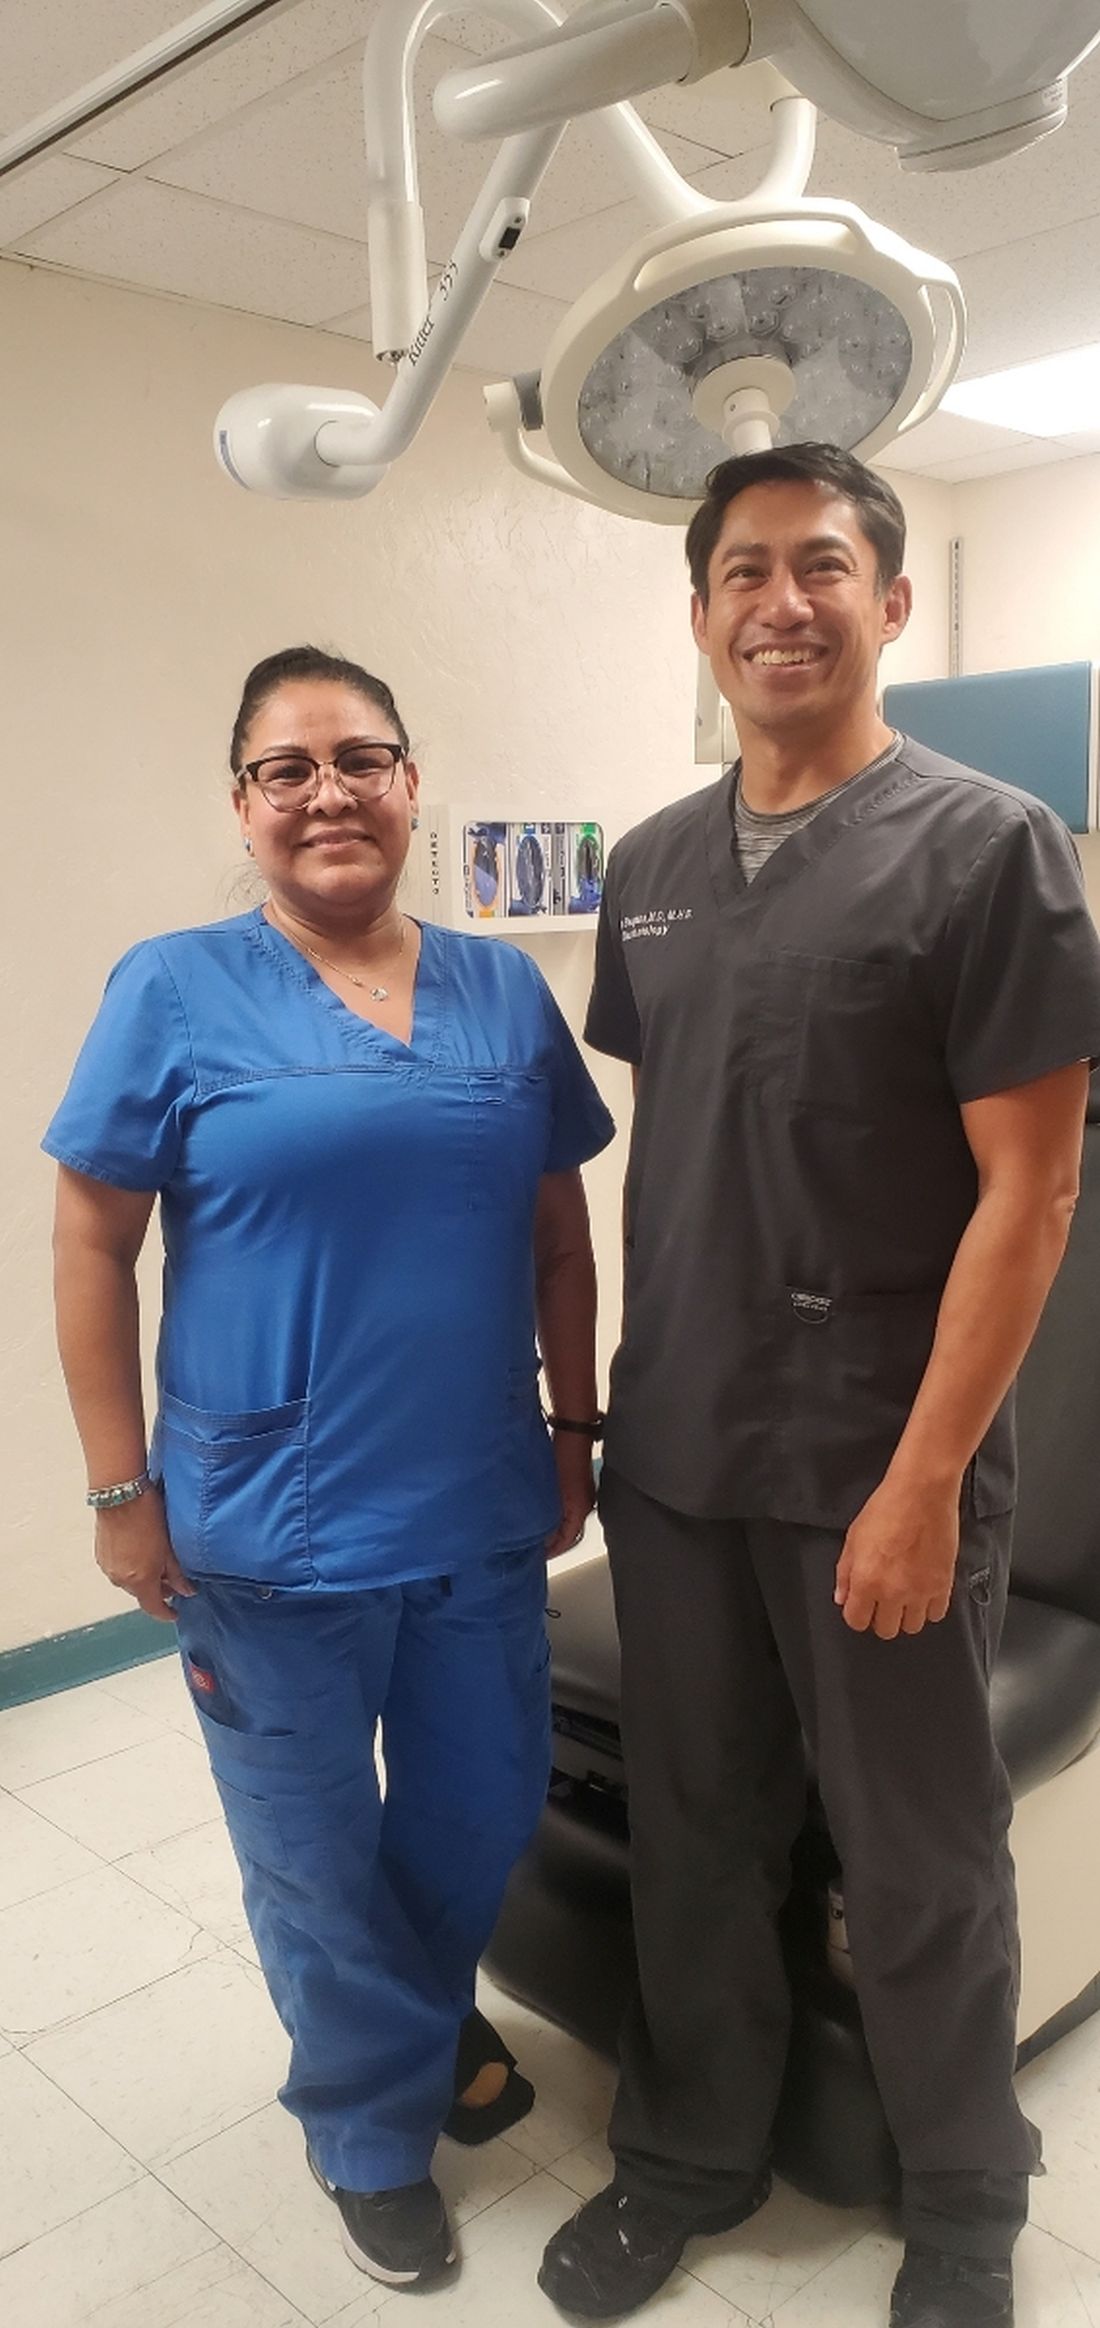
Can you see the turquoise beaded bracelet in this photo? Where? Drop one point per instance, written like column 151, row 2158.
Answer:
column 107, row 1499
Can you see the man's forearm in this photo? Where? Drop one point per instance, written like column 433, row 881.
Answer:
column 1003, row 1270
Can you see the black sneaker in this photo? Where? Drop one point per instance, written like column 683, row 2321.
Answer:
column 933, row 2290
column 400, row 2236
column 617, row 2250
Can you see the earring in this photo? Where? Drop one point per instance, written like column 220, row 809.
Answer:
column 415, row 821
column 247, row 845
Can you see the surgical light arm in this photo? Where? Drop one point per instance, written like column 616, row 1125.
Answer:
column 296, row 441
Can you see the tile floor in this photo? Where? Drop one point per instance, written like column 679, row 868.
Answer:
column 148, row 2180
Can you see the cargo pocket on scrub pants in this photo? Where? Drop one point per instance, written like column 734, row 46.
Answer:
column 235, row 1490
column 252, row 1773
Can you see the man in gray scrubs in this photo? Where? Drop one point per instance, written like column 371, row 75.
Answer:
column 859, row 988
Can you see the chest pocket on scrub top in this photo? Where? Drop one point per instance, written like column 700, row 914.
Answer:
column 511, row 1114
column 837, row 1033
column 235, row 1490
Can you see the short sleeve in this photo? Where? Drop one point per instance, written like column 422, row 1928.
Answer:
column 1018, row 975
column 121, row 1117
column 581, row 1124
column 612, row 1024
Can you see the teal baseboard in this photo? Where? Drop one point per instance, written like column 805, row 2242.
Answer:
column 87, row 1654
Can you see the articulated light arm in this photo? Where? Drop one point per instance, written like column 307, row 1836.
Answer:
column 395, row 220
column 298, row 441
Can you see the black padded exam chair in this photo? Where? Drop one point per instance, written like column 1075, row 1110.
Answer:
column 563, row 1943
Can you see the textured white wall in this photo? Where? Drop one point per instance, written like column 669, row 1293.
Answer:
column 539, row 650
column 1031, row 579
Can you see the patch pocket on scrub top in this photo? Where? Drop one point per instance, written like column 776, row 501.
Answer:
column 836, row 1030
column 235, row 1490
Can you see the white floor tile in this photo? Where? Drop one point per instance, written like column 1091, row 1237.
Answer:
column 175, row 2064
column 496, row 2286
column 853, row 2292
column 1061, row 2091
column 133, row 1799
column 69, row 1951
column 61, row 1733
column 473, row 2179
column 197, row 1874
column 158, row 1690
column 778, row 2251
column 573, row 2086
column 62, row 2279
column 253, row 2187
column 587, row 2169
column 53, row 2161
column 34, row 1856
column 138, row 2261
column 1056, row 2287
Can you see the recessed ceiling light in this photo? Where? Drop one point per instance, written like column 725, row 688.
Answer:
column 1056, row 396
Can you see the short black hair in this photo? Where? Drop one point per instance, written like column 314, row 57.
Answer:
column 877, row 507
column 292, row 663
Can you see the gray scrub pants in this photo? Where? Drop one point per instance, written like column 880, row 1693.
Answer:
column 732, row 1651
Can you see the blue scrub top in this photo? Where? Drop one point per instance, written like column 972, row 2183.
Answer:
column 347, row 1362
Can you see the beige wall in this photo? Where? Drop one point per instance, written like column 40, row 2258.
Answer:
column 1031, row 579
column 539, row 650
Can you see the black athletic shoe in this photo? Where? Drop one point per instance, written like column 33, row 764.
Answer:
column 933, row 2290
column 400, row 2236
column 617, row 2250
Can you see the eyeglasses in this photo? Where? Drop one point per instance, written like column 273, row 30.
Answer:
column 292, row 779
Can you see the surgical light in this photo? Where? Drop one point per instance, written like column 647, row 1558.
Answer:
column 730, row 326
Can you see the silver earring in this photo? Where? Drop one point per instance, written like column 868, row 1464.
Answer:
column 415, row 823
column 248, row 846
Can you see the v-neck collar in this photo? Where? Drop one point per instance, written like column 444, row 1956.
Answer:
column 429, row 985
column 847, row 805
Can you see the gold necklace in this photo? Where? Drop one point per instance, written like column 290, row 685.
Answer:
column 377, row 993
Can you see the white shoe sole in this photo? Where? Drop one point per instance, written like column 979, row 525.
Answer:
column 377, row 2271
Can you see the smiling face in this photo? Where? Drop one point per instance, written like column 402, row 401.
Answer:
column 796, row 616
column 335, row 861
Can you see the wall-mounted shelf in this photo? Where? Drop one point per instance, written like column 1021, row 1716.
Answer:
column 500, row 877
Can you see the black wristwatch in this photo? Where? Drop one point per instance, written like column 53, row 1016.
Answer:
column 592, row 1430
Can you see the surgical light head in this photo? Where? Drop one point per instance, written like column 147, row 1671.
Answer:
column 730, row 327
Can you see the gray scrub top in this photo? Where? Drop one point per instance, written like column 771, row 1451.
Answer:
column 799, row 1178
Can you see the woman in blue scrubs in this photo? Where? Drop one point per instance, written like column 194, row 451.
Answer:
column 365, row 1137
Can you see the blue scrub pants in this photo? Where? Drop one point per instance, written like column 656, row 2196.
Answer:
column 370, row 1913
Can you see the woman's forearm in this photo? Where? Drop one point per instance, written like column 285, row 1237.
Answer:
column 98, row 1234
column 565, row 1295
column 98, row 1339
column 566, row 1308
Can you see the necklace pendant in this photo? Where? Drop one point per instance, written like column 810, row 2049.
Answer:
column 380, row 994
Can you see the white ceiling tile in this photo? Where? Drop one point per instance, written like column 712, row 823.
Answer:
column 562, row 263
column 162, row 240
column 246, row 69
column 30, row 197
column 949, row 436
column 959, row 212
column 300, row 155
column 1032, row 298
column 52, row 48
column 1031, row 453
column 510, row 333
